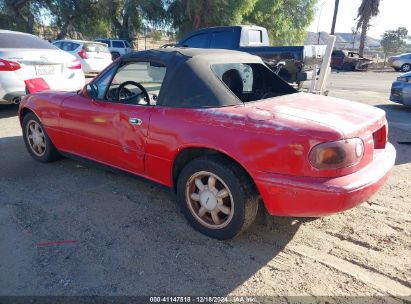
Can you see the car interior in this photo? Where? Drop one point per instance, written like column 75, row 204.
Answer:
column 251, row 81
column 133, row 83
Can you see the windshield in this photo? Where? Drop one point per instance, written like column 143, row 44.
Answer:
column 22, row 41
column 251, row 81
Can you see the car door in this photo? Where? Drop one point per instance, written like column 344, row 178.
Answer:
column 109, row 127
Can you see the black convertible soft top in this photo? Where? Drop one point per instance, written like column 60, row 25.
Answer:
column 189, row 81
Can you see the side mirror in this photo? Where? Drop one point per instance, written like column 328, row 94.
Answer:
column 92, row 90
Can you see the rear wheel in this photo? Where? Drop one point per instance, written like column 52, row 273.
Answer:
column 406, row 67
column 348, row 67
column 217, row 197
column 115, row 55
column 37, row 141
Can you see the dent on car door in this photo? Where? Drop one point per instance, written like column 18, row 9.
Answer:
column 112, row 127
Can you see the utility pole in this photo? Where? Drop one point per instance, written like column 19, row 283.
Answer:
column 319, row 18
column 335, row 16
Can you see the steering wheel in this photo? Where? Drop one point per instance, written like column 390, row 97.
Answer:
column 122, row 86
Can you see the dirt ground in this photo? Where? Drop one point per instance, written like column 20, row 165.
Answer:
column 70, row 228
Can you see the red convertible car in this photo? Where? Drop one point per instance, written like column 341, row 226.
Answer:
column 222, row 130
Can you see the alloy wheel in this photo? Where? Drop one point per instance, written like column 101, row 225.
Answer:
column 36, row 138
column 209, row 200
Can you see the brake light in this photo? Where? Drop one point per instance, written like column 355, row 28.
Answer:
column 74, row 65
column 337, row 154
column 380, row 137
column 7, row 65
column 82, row 53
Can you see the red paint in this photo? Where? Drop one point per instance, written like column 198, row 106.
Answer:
column 36, row 85
column 82, row 53
column 270, row 139
column 56, row 243
column 74, row 65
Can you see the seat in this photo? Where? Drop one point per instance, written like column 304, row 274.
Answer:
column 234, row 82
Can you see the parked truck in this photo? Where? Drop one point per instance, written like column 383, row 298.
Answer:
column 293, row 63
column 349, row 61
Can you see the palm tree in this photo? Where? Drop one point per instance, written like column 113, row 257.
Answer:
column 335, row 16
column 367, row 10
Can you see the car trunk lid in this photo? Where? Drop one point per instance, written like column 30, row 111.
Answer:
column 96, row 51
column 38, row 63
column 350, row 118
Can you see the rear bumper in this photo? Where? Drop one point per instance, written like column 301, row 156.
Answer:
column 396, row 64
column 12, row 97
column 94, row 66
column 11, row 86
column 310, row 197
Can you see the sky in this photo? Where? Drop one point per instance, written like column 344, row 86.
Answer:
column 393, row 14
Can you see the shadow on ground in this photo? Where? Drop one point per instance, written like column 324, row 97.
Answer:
column 115, row 234
column 8, row 110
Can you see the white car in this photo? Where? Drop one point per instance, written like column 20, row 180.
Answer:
column 25, row 57
column 93, row 56
column 117, row 47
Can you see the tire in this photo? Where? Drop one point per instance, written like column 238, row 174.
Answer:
column 348, row 67
column 235, row 208
column 45, row 151
column 406, row 67
column 115, row 55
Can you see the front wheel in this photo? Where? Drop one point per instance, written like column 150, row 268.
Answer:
column 37, row 141
column 217, row 197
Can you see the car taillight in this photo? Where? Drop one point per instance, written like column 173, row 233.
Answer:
column 82, row 53
column 74, row 65
column 380, row 137
column 337, row 154
column 7, row 65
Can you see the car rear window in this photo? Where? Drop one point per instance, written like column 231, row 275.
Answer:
column 23, row 41
column 96, row 47
column 104, row 41
column 255, row 36
column 69, row 46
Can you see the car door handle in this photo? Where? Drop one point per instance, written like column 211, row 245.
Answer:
column 135, row 121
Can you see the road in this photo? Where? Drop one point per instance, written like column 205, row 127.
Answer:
column 71, row 228
column 372, row 88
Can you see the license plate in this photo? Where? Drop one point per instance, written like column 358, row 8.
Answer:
column 45, row 69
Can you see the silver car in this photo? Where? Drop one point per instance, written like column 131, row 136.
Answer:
column 401, row 62
column 29, row 64
column 93, row 56
column 117, row 47
column 401, row 90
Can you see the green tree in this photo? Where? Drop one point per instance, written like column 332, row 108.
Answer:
column 367, row 10
column 186, row 15
column 285, row 20
column 127, row 16
column 156, row 35
column 394, row 41
column 74, row 16
column 21, row 15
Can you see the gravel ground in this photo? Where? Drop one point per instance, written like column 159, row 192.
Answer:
column 71, row 228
